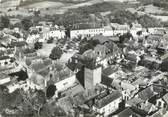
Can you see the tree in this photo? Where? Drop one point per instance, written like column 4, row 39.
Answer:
column 147, row 21
column 36, row 13
column 4, row 22
column 38, row 45
column 122, row 16
column 87, row 44
column 26, row 24
column 50, row 40
column 164, row 65
column 50, row 91
column 28, row 62
column 39, row 100
column 56, row 53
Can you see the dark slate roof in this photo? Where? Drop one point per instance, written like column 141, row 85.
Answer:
column 108, row 71
column 18, row 44
column 131, row 57
column 73, row 66
column 135, row 101
column 29, row 50
column 4, row 57
column 128, row 112
column 102, row 39
column 106, row 80
column 114, row 38
column 103, row 99
column 146, row 94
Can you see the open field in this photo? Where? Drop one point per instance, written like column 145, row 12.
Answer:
column 50, row 7
column 162, row 18
column 45, row 4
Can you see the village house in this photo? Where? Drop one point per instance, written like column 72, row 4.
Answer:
column 20, row 44
column 55, row 32
column 157, row 30
column 38, row 71
column 146, row 107
column 33, row 38
column 108, row 31
column 103, row 54
column 107, row 103
column 87, row 30
column 25, row 54
column 45, row 32
column 135, row 27
column 119, row 29
column 5, row 60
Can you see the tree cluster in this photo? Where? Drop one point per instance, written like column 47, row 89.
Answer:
column 4, row 22
column 123, row 16
column 56, row 53
column 26, row 23
column 38, row 45
column 87, row 44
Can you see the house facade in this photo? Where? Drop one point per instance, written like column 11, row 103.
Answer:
column 106, row 104
column 4, row 79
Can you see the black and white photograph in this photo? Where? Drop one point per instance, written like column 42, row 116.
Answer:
column 83, row 58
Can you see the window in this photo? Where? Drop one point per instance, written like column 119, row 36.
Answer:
column 126, row 98
column 159, row 103
column 164, row 105
column 51, row 75
column 6, row 63
column 103, row 109
column 98, row 53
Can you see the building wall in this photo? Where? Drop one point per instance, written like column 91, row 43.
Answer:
column 109, row 108
column 93, row 32
column 92, row 77
column 57, row 33
column 4, row 80
column 66, row 83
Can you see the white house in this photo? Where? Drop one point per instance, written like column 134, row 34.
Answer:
column 110, row 30
column 52, row 31
column 57, row 32
column 106, row 104
column 32, row 38
column 45, row 32
column 4, row 60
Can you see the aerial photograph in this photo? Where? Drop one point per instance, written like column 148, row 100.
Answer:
column 83, row 58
